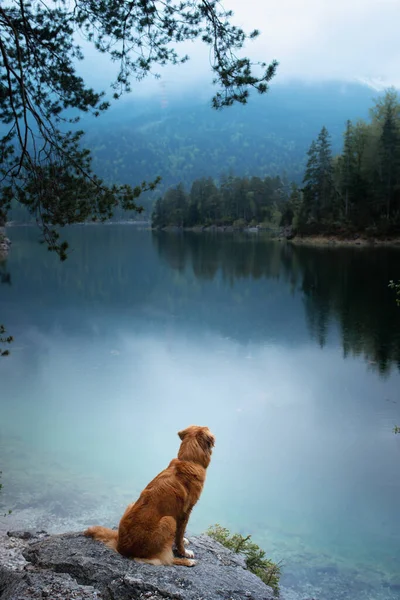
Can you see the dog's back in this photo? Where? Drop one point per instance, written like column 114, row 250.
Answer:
column 159, row 517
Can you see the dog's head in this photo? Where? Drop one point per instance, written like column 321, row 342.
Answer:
column 197, row 444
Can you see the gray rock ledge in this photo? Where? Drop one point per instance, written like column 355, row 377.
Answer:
column 70, row 566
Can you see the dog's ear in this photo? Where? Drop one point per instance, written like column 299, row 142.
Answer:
column 207, row 438
column 210, row 439
column 182, row 433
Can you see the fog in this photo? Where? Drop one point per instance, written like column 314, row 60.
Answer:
column 312, row 40
column 100, row 408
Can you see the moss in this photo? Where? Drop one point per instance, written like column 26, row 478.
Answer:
column 267, row 570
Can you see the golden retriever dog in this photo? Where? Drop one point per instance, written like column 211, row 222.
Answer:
column 158, row 519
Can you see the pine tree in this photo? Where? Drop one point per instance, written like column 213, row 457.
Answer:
column 295, row 200
column 390, row 157
column 158, row 217
column 348, row 166
column 179, row 205
column 310, row 208
column 361, row 188
column 193, row 215
column 324, row 174
column 384, row 156
column 291, row 209
column 204, row 196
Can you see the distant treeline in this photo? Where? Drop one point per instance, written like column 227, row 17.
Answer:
column 234, row 201
column 358, row 189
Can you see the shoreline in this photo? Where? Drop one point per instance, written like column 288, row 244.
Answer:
column 282, row 234
column 353, row 240
column 337, row 240
column 279, row 235
column 218, row 229
column 12, row 224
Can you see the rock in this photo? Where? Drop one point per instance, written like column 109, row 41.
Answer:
column 71, row 566
column 288, row 233
column 23, row 535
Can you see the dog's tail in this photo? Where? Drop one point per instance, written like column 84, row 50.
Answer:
column 109, row 537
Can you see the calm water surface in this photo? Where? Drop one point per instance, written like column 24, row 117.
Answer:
column 290, row 355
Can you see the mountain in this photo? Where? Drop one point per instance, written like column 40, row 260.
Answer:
column 182, row 138
column 178, row 136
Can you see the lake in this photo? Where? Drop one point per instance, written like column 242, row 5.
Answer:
column 289, row 354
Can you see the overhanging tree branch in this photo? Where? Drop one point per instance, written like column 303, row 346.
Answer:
column 43, row 164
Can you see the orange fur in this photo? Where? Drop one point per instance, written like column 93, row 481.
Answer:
column 158, row 519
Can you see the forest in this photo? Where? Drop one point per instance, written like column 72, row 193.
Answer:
column 179, row 138
column 356, row 190
column 236, row 201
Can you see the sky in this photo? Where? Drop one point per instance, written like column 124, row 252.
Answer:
column 313, row 40
column 317, row 39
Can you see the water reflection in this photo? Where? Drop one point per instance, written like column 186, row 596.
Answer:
column 347, row 287
column 138, row 334
column 5, row 276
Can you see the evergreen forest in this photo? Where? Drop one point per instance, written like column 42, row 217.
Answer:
column 178, row 137
column 354, row 190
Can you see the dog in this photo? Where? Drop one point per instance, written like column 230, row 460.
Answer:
column 158, row 519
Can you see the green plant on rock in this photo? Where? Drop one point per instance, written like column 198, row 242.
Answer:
column 267, row 570
column 396, row 429
column 396, row 287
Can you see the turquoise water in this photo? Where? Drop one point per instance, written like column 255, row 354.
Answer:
column 289, row 354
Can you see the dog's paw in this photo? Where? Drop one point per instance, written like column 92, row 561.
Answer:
column 191, row 563
column 185, row 541
column 189, row 553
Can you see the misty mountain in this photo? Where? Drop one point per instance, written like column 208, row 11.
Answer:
column 183, row 138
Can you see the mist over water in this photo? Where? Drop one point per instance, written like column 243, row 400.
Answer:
column 290, row 355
